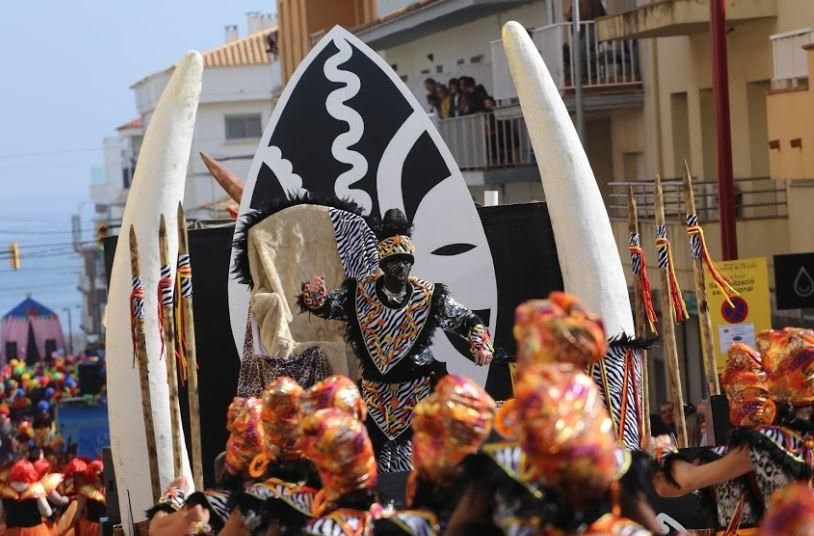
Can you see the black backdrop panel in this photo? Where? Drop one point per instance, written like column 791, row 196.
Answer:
column 526, row 266
column 218, row 362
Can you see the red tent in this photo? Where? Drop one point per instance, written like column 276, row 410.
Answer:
column 30, row 331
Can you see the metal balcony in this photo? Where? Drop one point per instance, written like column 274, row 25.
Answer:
column 664, row 18
column 608, row 67
column 490, row 148
column 755, row 198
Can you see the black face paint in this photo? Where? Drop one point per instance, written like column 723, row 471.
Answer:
column 397, row 270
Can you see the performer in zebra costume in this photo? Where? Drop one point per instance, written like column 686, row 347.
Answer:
column 391, row 318
column 771, row 393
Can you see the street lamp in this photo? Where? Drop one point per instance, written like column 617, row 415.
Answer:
column 70, row 329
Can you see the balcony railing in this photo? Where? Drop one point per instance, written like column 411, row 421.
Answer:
column 487, row 141
column 790, row 59
column 606, row 65
column 755, row 198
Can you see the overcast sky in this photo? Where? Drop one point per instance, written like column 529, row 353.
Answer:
column 66, row 72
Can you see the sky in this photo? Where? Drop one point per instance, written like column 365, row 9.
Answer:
column 66, row 71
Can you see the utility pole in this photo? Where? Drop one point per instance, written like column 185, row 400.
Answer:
column 576, row 57
column 723, row 133
column 70, row 329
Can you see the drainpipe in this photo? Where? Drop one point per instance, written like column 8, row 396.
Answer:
column 576, row 57
column 723, row 134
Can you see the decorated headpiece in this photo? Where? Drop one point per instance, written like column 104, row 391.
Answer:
column 23, row 472
column 448, row 425
column 394, row 236
column 744, row 381
column 788, row 358
column 246, row 435
column 565, row 431
column 790, row 513
column 340, row 448
column 333, row 392
column 279, row 416
column 558, row 329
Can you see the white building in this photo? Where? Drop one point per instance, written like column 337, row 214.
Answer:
column 240, row 82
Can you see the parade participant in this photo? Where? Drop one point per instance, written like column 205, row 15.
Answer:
column 24, row 500
column 92, row 499
column 778, row 451
column 448, row 425
column 245, row 438
column 339, row 446
column 790, row 513
column 391, row 318
column 282, row 498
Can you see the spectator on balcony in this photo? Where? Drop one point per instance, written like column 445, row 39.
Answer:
column 454, row 94
column 432, row 92
column 588, row 10
column 434, row 102
column 445, row 102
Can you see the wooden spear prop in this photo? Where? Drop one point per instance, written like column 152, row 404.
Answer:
column 140, row 356
column 641, row 310
column 167, row 326
column 673, row 310
column 697, row 248
column 186, row 329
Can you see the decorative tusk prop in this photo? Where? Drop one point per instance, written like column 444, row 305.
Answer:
column 230, row 182
column 157, row 188
column 589, row 258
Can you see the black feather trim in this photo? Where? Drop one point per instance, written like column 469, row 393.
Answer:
column 754, row 439
column 667, row 467
column 624, row 340
column 269, row 207
column 159, row 507
column 390, row 225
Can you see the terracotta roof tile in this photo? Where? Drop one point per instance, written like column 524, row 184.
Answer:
column 250, row 50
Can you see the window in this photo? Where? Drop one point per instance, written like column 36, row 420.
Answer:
column 240, row 127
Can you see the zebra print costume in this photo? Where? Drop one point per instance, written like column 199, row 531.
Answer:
column 392, row 341
column 618, row 376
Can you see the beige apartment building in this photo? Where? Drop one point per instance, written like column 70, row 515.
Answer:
column 647, row 78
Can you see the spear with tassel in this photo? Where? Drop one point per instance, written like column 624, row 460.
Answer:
column 701, row 258
column 644, row 313
column 673, row 310
column 186, row 331
column 141, row 359
column 166, row 322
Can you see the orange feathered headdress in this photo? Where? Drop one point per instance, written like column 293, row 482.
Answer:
column 448, row 425
column 744, row 380
column 565, row 431
column 558, row 329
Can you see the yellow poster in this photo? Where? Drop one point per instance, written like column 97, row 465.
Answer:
column 752, row 312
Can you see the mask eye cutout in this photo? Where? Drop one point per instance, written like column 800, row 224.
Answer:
column 453, row 249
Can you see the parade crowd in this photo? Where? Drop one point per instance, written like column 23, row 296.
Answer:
column 44, row 486
column 547, row 462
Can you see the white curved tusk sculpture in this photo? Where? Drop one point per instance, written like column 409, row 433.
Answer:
column 589, row 259
column 158, row 187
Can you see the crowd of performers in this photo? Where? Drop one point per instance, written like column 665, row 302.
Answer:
column 547, row 462
column 28, row 398
column 44, row 487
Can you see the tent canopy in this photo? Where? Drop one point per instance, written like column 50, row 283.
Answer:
column 30, row 331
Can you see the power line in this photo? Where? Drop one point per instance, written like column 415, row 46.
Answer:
column 47, row 153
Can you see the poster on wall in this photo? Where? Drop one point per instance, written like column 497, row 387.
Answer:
column 749, row 312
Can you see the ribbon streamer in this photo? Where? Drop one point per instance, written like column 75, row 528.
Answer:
column 665, row 258
column 165, row 295
column 698, row 248
column 136, row 310
column 639, row 263
column 183, row 287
